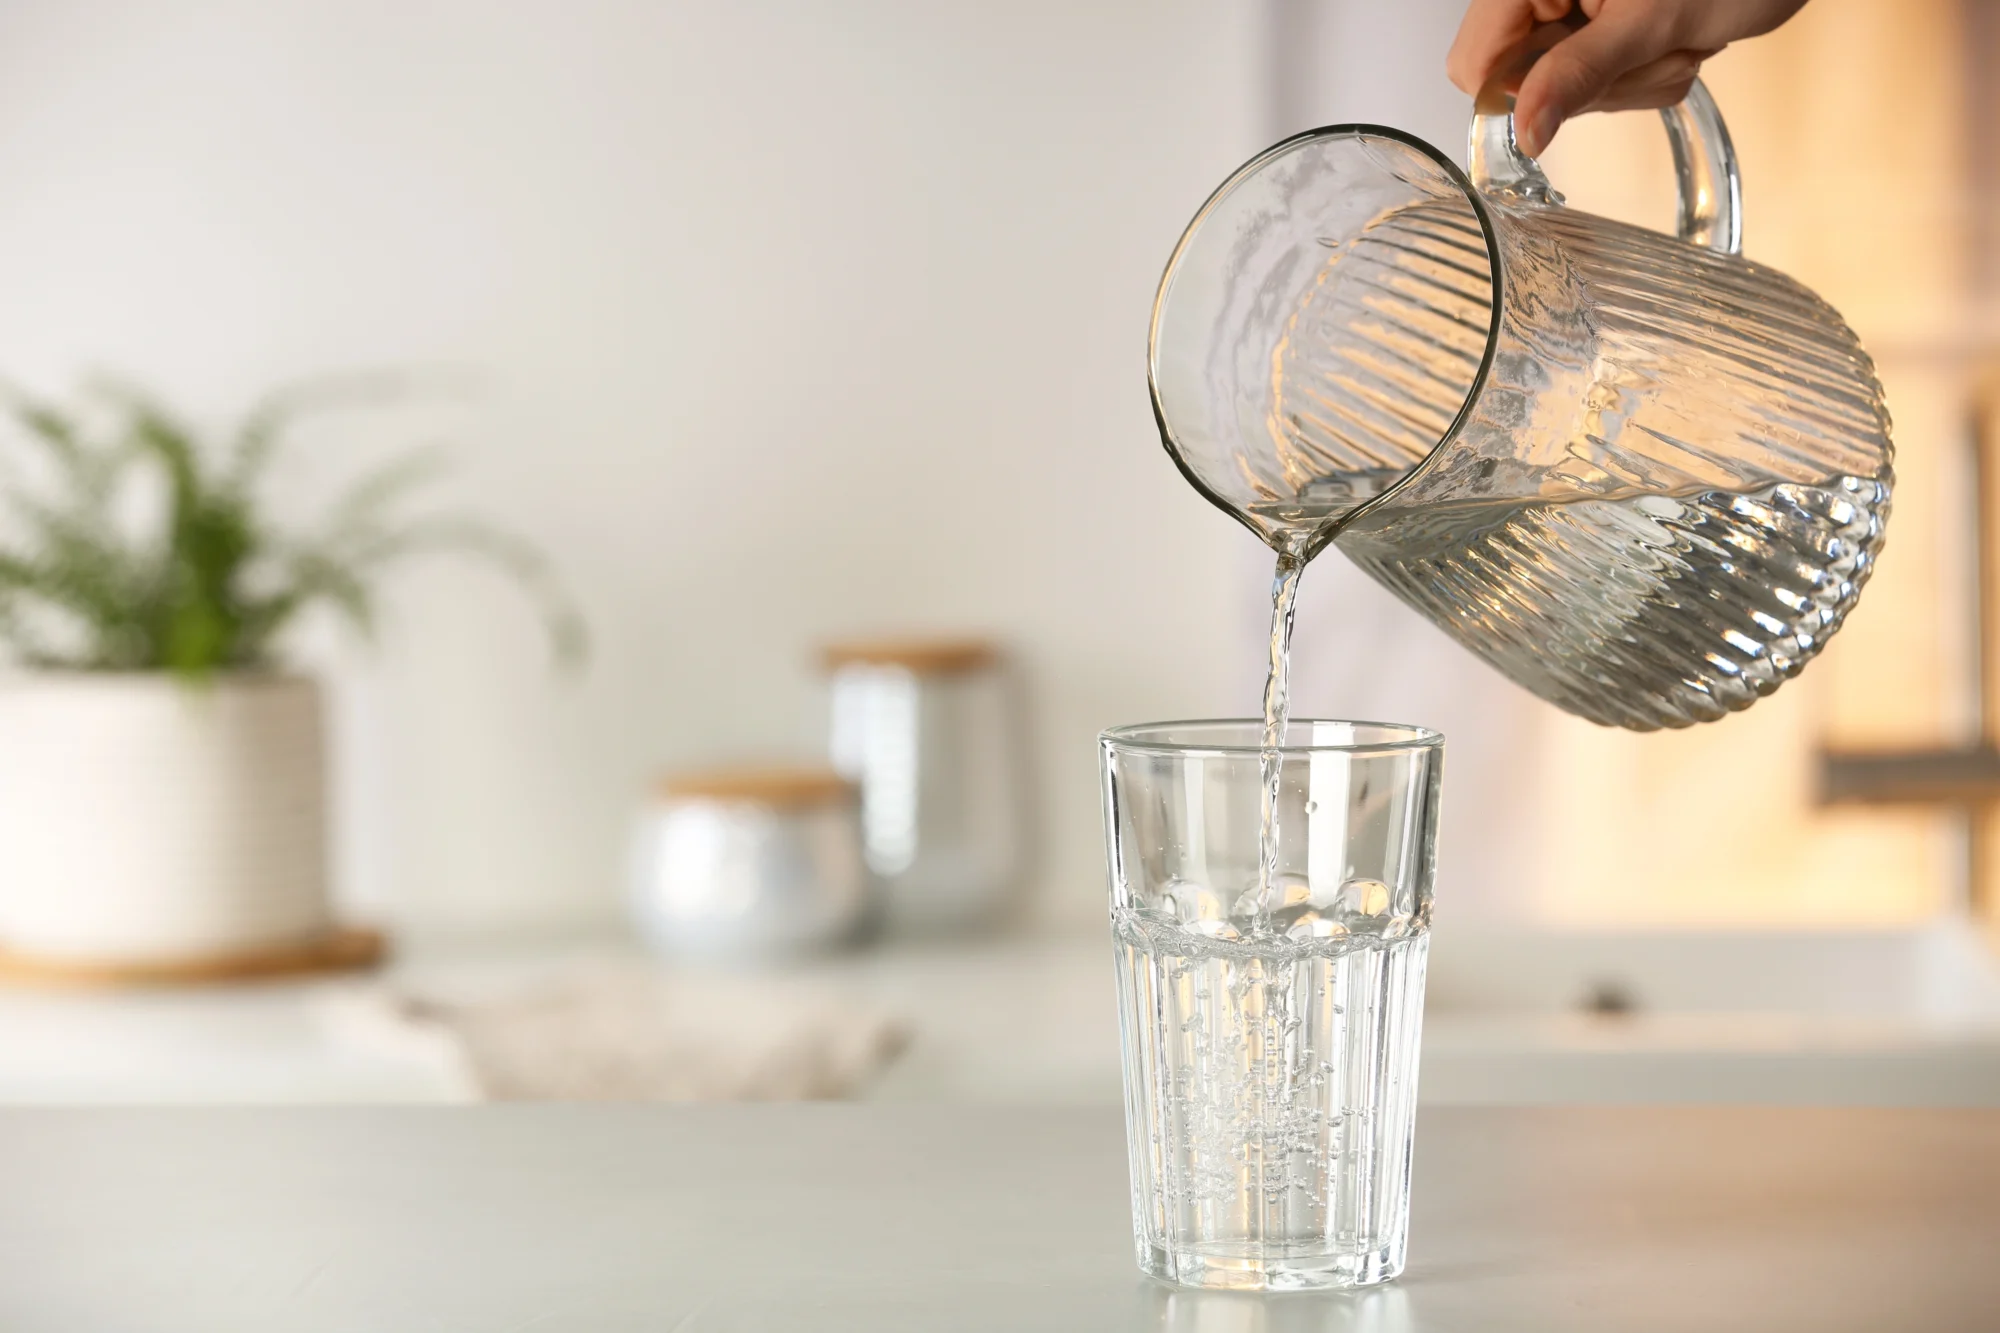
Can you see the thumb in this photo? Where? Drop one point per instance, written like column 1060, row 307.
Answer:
column 1580, row 68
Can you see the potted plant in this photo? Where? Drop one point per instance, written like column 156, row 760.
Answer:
column 162, row 775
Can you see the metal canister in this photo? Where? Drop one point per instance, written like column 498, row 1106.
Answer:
column 751, row 862
column 931, row 731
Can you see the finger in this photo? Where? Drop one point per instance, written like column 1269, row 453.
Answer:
column 1488, row 31
column 1659, row 83
column 1582, row 67
column 1646, row 97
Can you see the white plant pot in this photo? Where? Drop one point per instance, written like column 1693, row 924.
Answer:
column 146, row 820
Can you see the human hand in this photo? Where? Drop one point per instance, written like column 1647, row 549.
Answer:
column 1622, row 54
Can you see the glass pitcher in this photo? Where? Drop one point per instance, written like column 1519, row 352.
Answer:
column 1642, row 476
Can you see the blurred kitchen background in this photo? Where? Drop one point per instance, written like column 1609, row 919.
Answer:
column 786, row 325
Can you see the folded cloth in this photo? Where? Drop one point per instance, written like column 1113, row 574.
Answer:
column 616, row 1033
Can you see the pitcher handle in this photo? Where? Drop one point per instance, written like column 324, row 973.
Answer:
column 1711, row 189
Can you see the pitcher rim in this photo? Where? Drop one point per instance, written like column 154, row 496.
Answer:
column 1323, row 535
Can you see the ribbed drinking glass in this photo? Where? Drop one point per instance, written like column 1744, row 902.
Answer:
column 1270, row 1038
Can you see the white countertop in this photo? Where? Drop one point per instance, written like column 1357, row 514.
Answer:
column 884, row 1218
column 1021, row 1020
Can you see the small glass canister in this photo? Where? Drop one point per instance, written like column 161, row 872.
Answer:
column 931, row 729
column 751, row 862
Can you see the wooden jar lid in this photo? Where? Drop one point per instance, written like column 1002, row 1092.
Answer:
column 776, row 788
column 925, row 657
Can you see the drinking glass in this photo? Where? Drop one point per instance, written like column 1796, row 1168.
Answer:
column 1270, row 1017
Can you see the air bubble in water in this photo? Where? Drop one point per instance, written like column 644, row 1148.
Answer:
column 1363, row 906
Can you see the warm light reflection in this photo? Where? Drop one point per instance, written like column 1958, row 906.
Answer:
column 1850, row 126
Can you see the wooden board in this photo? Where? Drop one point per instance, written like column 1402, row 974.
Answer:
column 346, row 949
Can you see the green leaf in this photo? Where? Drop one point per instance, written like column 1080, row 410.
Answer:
column 264, row 428
column 311, row 576
column 361, row 506
column 85, row 575
column 209, row 585
column 87, row 468
column 515, row 556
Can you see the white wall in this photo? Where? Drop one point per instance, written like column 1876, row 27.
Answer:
column 790, row 320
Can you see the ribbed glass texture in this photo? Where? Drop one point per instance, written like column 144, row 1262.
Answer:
column 1270, row 1040
column 1647, row 482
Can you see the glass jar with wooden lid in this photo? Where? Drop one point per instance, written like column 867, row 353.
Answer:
column 751, row 861
column 930, row 729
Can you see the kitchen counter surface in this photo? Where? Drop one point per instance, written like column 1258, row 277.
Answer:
column 836, row 1217
column 1031, row 1020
